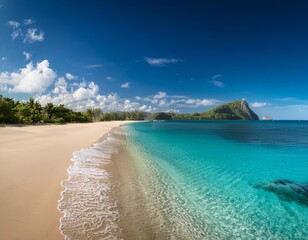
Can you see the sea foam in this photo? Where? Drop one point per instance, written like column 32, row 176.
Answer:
column 90, row 212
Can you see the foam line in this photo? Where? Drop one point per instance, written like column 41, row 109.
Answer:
column 89, row 211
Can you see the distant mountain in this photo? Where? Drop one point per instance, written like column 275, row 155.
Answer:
column 237, row 110
column 160, row 116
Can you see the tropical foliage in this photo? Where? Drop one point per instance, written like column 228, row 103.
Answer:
column 31, row 112
column 227, row 111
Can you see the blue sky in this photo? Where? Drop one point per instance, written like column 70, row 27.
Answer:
column 184, row 56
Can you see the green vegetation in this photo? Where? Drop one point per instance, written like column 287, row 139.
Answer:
column 32, row 112
column 160, row 116
column 134, row 115
column 230, row 111
column 237, row 110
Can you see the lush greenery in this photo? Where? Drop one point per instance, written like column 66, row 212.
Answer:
column 228, row 111
column 31, row 112
column 134, row 115
column 161, row 116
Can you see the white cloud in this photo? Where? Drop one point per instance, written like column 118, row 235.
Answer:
column 93, row 66
column 31, row 79
column 179, row 96
column 217, row 83
column 109, row 78
column 16, row 34
column 4, row 58
column 161, row 61
column 143, row 108
column 164, row 102
column 202, row 102
column 28, row 21
column 125, row 85
column 217, row 76
column 14, row 24
column 160, row 95
column 258, row 104
column 70, row 76
column 37, row 79
column 29, row 35
column 27, row 55
column 33, row 35
column 60, row 86
column 73, row 96
column 86, row 93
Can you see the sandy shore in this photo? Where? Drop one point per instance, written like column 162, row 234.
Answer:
column 33, row 161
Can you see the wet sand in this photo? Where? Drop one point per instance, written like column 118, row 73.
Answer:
column 136, row 211
column 33, row 162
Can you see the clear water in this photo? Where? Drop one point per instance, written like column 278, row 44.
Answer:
column 89, row 209
column 214, row 179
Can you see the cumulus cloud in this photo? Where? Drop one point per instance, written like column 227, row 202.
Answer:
column 16, row 30
column 161, row 61
column 160, row 95
column 201, row 102
column 76, row 96
column 34, row 35
column 14, row 24
column 258, row 104
column 143, row 108
column 164, row 102
column 80, row 96
column 109, row 78
column 42, row 81
column 29, row 35
column 31, row 79
column 28, row 21
column 125, row 85
column 16, row 34
column 70, row 76
column 60, row 86
column 27, row 55
column 86, row 93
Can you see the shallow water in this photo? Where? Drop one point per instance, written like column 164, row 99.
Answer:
column 90, row 211
column 202, row 179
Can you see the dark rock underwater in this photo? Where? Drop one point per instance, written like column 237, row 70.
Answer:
column 287, row 190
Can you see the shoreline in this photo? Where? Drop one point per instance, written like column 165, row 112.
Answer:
column 133, row 200
column 33, row 162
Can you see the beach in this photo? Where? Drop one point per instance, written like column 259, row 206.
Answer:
column 33, row 162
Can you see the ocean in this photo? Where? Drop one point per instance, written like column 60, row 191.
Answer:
column 225, row 179
column 191, row 180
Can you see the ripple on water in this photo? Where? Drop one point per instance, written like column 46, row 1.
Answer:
column 89, row 211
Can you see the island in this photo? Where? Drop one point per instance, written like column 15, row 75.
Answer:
column 236, row 110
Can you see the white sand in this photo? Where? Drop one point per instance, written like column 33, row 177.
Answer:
column 33, row 161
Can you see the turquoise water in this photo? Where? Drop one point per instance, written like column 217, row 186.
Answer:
column 224, row 179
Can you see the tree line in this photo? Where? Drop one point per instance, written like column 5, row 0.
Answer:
column 31, row 112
